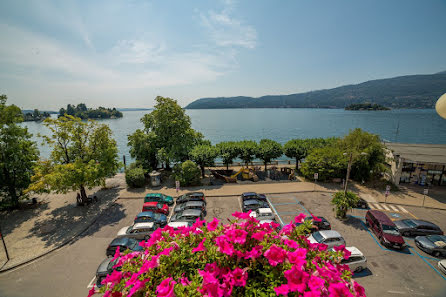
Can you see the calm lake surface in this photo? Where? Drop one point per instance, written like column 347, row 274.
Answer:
column 415, row 126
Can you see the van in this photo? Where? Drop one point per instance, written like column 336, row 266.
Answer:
column 384, row 229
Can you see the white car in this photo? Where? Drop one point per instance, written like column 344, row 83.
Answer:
column 263, row 214
column 329, row 237
column 442, row 265
column 357, row 261
column 138, row 231
column 177, row 225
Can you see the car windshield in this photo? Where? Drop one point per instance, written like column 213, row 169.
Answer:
column 437, row 239
column 390, row 230
column 318, row 237
column 410, row 223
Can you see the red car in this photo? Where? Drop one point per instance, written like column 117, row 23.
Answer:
column 157, row 207
column 384, row 229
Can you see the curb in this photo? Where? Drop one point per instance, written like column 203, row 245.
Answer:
column 61, row 245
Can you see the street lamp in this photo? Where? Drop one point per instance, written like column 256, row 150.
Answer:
column 349, row 167
column 440, row 106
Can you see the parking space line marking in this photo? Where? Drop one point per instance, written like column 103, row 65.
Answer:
column 240, row 203
column 430, row 258
column 298, row 202
column 289, row 203
column 90, row 284
column 377, row 206
column 290, row 212
column 385, row 207
column 393, row 208
column 272, row 205
column 421, row 257
column 403, row 209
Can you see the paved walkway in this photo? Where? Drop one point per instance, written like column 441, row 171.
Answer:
column 29, row 233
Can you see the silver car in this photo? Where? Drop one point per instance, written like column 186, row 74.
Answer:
column 137, row 231
column 357, row 261
column 190, row 205
column 432, row 244
column 329, row 237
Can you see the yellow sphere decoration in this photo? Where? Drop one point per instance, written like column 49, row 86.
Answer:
column 441, row 106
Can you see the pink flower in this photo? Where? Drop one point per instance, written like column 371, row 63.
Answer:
column 213, row 225
column 254, row 253
column 208, row 277
column 166, row 251
column 237, row 235
column 315, row 283
column 138, row 286
column 184, row 281
column 114, row 277
column 275, row 255
column 298, row 257
column 239, row 277
column 291, row 243
column 258, row 235
column 282, row 290
column 117, row 254
column 297, row 279
column 153, row 263
column 211, row 290
column 200, row 247
column 132, row 280
column 224, row 246
column 339, row 290
column 316, row 219
column 91, row 291
column 242, row 215
column 198, row 223
column 360, row 292
column 312, row 294
column 300, row 218
column 166, row 288
column 342, row 248
column 213, row 269
column 287, row 229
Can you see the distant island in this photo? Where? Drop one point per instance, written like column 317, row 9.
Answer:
column 81, row 111
column 133, row 109
column 411, row 91
column 35, row 115
column 366, row 106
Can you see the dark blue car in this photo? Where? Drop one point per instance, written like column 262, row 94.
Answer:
column 150, row 216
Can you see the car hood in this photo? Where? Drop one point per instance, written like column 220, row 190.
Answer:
column 425, row 242
column 162, row 217
column 394, row 238
column 123, row 231
column 401, row 225
column 177, row 208
column 102, row 269
column 169, row 198
column 311, row 239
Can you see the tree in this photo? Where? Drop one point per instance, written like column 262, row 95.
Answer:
column 143, row 149
column 18, row 154
column 203, row 155
column 83, row 155
column 228, row 151
column 328, row 162
column 247, row 150
column 295, row 148
column 187, row 173
column 268, row 150
column 172, row 130
column 343, row 202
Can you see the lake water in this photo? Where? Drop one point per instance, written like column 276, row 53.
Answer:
column 415, row 126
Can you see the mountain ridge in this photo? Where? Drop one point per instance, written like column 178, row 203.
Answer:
column 409, row 91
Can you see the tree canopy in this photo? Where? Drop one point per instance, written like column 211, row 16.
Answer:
column 18, row 154
column 268, row 149
column 228, row 151
column 247, row 150
column 83, row 155
column 204, row 155
column 295, row 148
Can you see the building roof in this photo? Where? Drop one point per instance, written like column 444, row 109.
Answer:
column 419, row 153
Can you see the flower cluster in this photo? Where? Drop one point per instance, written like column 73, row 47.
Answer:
column 242, row 258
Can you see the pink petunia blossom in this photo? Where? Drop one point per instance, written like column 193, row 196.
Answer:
column 298, row 257
column 258, row 235
column 300, row 218
column 198, row 223
column 315, row 219
column 282, row 290
column 315, row 283
column 239, row 277
column 360, row 292
column 184, row 281
column 297, row 279
column 166, row 251
column 237, row 236
column 136, row 287
column 339, row 290
column 242, row 215
column 208, row 277
column 114, row 277
column 166, row 288
column 312, row 294
column 287, row 229
column 91, row 291
column 213, row 225
column 117, row 254
column 213, row 269
column 153, row 263
column 275, row 255
column 200, row 247
column 224, row 246
column 212, row 290
column 254, row 253
column 291, row 243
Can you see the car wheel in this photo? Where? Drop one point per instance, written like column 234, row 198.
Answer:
column 381, row 240
column 406, row 234
column 436, row 254
column 358, row 269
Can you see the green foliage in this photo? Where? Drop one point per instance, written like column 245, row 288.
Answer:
column 268, row 149
column 295, row 148
column 143, row 149
column 18, row 154
column 344, row 202
column 187, row 173
column 83, row 155
column 228, row 151
column 168, row 128
column 328, row 162
column 81, row 111
column 247, row 150
column 203, row 155
column 134, row 177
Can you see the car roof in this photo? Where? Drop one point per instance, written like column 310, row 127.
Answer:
column 265, row 221
column 146, row 214
column 192, row 212
column 249, row 194
column 329, row 233
column 354, row 250
column 194, row 194
column 382, row 217
column 154, row 195
column 178, row 224
column 119, row 241
column 194, row 203
column 424, row 223
column 265, row 210
column 252, row 201
column 143, row 225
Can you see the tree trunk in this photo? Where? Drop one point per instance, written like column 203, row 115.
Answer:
column 227, row 166
column 297, row 164
column 202, row 171
column 14, row 197
column 265, row 166
column 167, row 165
column 83, row 195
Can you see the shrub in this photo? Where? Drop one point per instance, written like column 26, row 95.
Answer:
column 344, row 202
column 187, row 173
column 241, row 258
column 134, row 177
column 328, row 162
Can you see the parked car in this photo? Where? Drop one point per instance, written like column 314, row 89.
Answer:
column 263, row 214
column 190, row 205
column 329, row 237
column 362, row 204
column 178, row 224
column 150, row 216
column 253, row 204
column 442, row 266
column 357, row 261
column 252, row 195
column 432, row 244
column 158, row 197
column 105, row 268
column 123, row 243
column 323, row 224
column 188, row 215
column 156, row 207
column 410, row 227
column 139, row 231
column 194, row 196
column 384, row 229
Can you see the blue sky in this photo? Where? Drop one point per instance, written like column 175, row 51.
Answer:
column 125, row 53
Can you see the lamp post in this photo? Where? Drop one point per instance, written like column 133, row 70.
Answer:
column 349, row 167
